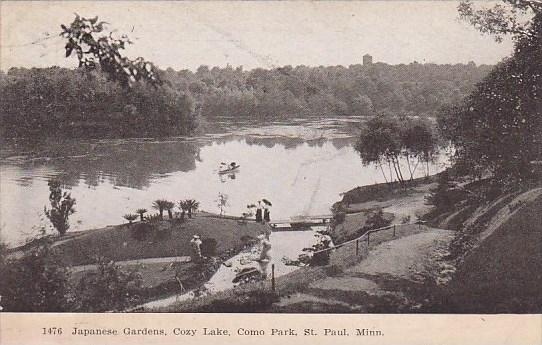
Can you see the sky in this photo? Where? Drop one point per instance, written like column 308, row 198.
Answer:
column 185, row 35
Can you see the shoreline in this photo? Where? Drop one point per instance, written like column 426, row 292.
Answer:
column 116, row 242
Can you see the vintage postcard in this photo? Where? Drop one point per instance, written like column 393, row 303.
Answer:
column 271, row 171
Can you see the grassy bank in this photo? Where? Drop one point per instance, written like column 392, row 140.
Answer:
column 157, row 257
column 354, row 199
column 117, row 243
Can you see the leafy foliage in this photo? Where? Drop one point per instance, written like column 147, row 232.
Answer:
column 94, row 47
column 109, row 288
column 208, row 247
column 162, row 205
column 376, row 220
column 58, row 102
column 38, row 282
column 141, row 212
column 130, row 217
column 189, row 205
column 386, row 140
column 168, row 206
column 497, row 130
column 509, row 18
column 445, row 196
column 143, row 230
column 61, row 102
column 62, row 206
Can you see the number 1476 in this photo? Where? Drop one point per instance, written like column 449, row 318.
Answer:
column 51, row 331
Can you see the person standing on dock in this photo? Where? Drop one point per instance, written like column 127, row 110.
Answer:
column 266, row 212
column 259, row 212
column 266, row 215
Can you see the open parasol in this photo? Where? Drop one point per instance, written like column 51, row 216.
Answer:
column 267, row 202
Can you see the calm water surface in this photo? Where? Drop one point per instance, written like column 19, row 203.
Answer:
column 302, row 167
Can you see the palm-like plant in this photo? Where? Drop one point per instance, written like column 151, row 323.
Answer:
column 161, row 205
column 130, row 217
column 168, row 206
column 183, row 205
column 192, row 206
column 153, row 218
column 141, row 212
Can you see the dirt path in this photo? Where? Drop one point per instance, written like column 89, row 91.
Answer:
column 404, row 256
column 390, row 269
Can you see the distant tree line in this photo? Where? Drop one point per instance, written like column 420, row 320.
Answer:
column 57, row 101
column 414, row 89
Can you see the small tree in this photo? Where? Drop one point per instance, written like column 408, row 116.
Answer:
column 379, row 143
column 376, row 220
column 130, row 217
column 141, row 212
column 183, row 205
column 418, row 144
column 161, row 205
column 109, row 288
column 189, row 205
column 208, row 247
column 62, row 206
column 169, row 207
column 222, row 202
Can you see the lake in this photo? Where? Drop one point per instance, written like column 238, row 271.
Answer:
column 301, row 166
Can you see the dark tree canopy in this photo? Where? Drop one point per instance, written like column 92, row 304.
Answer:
column 392, row 142
column 497, row 129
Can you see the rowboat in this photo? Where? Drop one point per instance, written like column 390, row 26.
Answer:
column 229, row 169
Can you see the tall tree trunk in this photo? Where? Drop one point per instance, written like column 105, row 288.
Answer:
column 382, row 169
column 391, row 174
column 409, row 168
column 398, row 171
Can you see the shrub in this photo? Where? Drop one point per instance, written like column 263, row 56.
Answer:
column 38, row 282
column 142, row 231
column 376, row 220
column 444, row 197
column 108, row 288
column 208, row 247
column 130, row 217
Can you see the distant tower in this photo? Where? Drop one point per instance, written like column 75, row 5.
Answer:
column 367, row 59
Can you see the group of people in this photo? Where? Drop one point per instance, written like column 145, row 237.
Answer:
column 263, row 214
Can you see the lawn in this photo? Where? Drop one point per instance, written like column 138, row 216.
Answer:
column 117, row 243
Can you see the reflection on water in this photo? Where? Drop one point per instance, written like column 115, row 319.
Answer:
column 109, row 178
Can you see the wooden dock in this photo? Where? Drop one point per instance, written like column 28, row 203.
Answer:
column 300, row 223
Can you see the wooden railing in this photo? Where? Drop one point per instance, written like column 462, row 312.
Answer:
column 367, row 236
